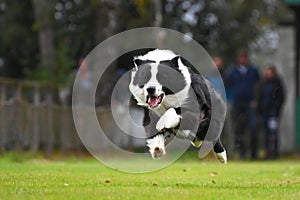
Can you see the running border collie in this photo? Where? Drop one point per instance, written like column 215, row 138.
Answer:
column 176, row 101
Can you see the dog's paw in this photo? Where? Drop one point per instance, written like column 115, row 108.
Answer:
column 222, row 156
column 170, row 119
column 157, row 146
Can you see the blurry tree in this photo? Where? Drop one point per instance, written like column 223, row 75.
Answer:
column 223, row 26
column 74, row 34
column 75, row 27
column 44, row 23
column 106, row 19
column 158, row 13
column 135, row 13
column 18, row 40
column 68, row 30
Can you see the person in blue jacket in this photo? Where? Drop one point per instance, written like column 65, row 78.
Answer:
column 241, row 80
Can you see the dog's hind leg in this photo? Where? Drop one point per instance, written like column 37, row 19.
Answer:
column 220, row 152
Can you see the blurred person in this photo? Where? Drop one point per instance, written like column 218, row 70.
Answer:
column 217, row 79
column 218, row 61
column 218, row 83
column 241, row 80
column 84, row 81
column 270, row 103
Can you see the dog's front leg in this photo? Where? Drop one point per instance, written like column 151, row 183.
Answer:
column 170, row 119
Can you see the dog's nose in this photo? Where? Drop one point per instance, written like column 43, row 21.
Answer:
column 157, row 150
column 151, row 90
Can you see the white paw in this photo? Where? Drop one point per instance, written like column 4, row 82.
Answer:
column 170, row 119
column 222, row 157
column 157, row 146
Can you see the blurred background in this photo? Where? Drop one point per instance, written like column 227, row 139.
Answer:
column 43, row 43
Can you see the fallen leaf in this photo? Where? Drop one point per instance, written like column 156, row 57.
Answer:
column 214, row 182
column 213, row 174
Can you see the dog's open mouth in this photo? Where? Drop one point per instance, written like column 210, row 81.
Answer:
column 154, row 101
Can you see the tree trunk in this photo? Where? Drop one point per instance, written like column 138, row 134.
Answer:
column 158, row 13
column 106, row 19
column 43, row 18
column 158, row 22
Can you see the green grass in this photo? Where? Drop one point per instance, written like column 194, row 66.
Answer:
column 38, row 178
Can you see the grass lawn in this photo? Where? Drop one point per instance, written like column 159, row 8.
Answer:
column 38, row 178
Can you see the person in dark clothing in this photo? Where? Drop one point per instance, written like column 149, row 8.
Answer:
column 241, row 80
column 270, row 104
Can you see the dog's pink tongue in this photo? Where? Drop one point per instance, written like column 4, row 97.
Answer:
column 152, row 101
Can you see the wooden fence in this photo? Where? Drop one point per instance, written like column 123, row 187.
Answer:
column 37, row 116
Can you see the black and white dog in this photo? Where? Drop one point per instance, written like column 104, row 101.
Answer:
column 176, row 101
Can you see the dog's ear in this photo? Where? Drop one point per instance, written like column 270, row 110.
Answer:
column 175, row 61
column 171, row 63
column 138, row 62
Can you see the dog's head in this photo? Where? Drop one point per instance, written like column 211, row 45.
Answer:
column 158, row 78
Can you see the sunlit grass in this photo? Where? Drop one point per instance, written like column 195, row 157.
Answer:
column 28, row 178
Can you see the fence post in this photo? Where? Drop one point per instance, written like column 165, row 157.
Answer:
column 3, row 130
column 64, row 120
column 36, row 118
column 49, row 123
column 18, row 114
